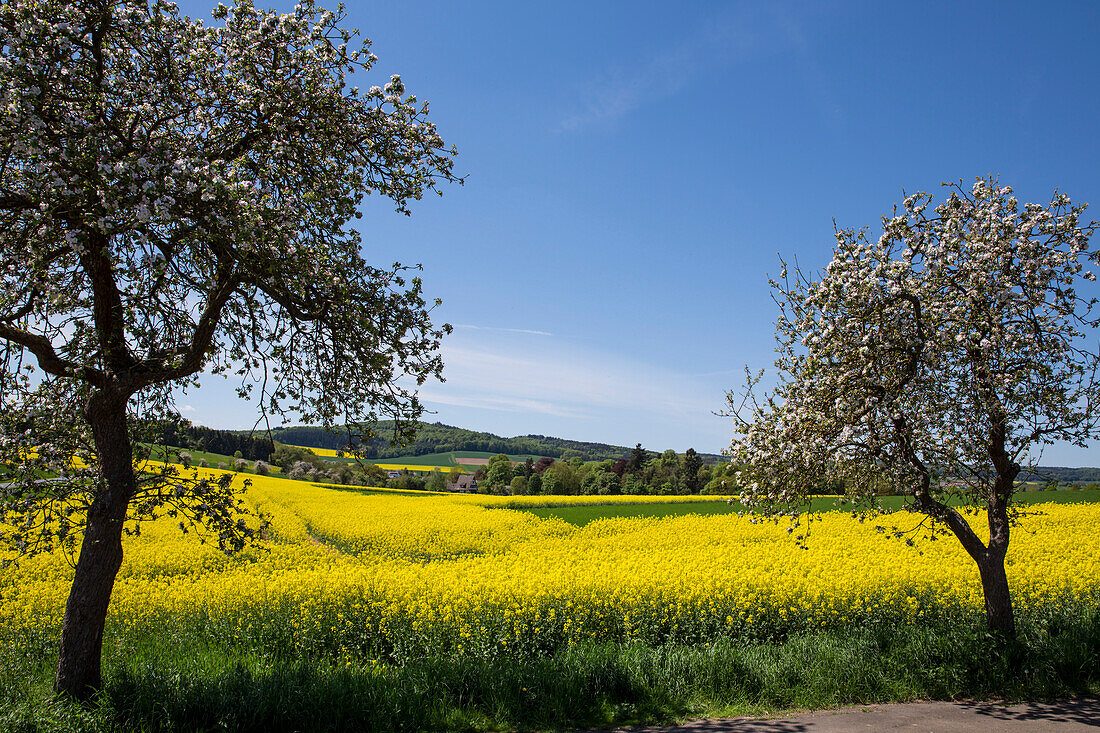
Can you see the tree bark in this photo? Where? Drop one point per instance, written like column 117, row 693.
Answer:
column 78, row 665
column 999, row 615
column 991, row 565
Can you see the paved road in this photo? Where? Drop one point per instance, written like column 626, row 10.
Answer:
column 1061, row 716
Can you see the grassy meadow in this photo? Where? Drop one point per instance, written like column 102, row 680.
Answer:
column 600, row 508
column 425, row 462
column 214, row 460
column 384, row 611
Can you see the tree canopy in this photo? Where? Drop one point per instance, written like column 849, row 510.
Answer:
column 177, row 197
column 935, row 362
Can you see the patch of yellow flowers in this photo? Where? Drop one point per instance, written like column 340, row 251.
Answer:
column 346, row 573
column 415, row 468
column 322, row 452
column 332, row 453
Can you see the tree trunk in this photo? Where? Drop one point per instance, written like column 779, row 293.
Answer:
column 990, row 559
column 78, row 664
column 998, row 600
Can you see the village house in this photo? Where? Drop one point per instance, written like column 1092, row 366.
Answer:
column 466, row 484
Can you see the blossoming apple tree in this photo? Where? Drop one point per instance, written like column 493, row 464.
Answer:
column 936, row 363
column 176, row 197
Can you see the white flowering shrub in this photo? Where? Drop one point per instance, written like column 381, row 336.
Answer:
column 935, row 362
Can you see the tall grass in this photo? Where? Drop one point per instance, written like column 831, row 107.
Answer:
column 176, row 680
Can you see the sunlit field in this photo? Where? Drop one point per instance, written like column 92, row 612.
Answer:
column 384, row 580
column 393, row 576
column 343, row 457
column 322, row 452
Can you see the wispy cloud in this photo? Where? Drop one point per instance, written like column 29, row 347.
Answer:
column 818, row 84
column 530, row 331
column 616, row 92
column 738, row 33
column 720, row 373
column 504, row 404
column 187, row 408
column 619, row 94
column 505, row 381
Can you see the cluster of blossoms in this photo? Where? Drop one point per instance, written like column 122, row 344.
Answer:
column 916, row 361
column 191, row 157
column 188, row 189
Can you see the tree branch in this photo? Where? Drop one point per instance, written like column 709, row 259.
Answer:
column 107, row 310
column 48, row 358
column 152, row 371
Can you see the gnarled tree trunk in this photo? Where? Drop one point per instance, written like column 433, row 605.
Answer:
column 78, row 665
column 990, row 559
column 998, row 600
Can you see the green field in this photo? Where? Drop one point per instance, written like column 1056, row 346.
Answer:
column 374, row 491
column 444, row 460
column 518, row 458
column 1056, row 497
column 582, row 515
column 428, row 459
column 451, row 458
column 1022, row 497
column 212, row 459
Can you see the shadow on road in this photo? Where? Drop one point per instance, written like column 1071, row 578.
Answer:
column 1085, row 711
column 1056, row 716
column 734, row 725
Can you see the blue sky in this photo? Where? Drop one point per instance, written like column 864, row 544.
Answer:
column 634, row 170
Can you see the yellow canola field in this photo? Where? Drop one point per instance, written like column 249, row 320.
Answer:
column 331, row 453
column 323, row 452
column 412, row 467
column 366, row 575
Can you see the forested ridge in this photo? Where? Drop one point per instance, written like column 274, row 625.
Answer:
column 254, row 446
column 440, row 438
column 1061, row 474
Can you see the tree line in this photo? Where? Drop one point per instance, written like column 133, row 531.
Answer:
column 211, row 440
column 1061, row 475
column 641, row 472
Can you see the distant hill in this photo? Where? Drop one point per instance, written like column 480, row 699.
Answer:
column 255, row 446
column 1062, row 475
column 440, row 438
